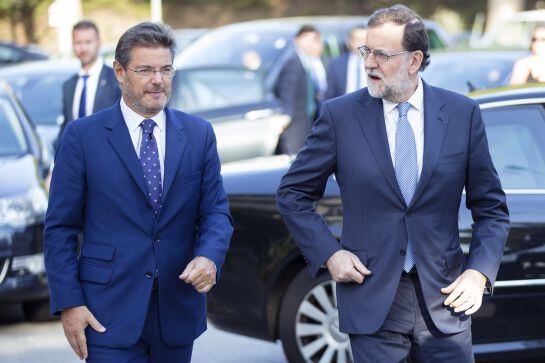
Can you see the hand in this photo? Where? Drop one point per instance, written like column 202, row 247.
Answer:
column 345, row 266
column 201, row 273
column 74, row 321
column 466, row 292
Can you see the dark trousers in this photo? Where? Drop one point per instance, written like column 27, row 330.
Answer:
column 408, row 331
column 149, row 348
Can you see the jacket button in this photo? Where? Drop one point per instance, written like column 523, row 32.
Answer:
column 149, row 275
column 157, row 239
column 402, row 252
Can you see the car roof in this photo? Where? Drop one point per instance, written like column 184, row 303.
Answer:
column 39, row 67
column 472, row 54
column 510, row 93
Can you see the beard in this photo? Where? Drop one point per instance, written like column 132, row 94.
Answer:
column 392, row 90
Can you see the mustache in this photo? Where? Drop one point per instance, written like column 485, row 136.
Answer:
column 371, row 73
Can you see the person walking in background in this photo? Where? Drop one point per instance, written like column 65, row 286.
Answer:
column 346, row 73
column 403, row 152
column 301, row 87
column 94, row 87
column 142, row 182
column 531, row 68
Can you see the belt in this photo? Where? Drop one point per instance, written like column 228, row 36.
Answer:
column 412, row 271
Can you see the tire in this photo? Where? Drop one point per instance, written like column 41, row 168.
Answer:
column 37, row 310
column 309, row 322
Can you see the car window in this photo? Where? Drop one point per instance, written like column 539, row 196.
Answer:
column 202, row 90
column 41, row 95
column 516, row 137
column 9, row 54
column 12, row 137
column 435, row 40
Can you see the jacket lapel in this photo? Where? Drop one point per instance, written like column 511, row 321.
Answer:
column 120, row 140
column 176, row 141
column 102, row 82
column 371, row 120
column 435, row 124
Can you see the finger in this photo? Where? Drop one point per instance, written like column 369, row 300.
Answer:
column 188, row 268
column 462, row 299
column 358, row 265
column 474, row 309
column 355, row 275
column 450, row 288
column 82, row 344
column 75, row 346
column 193, row 276
column 468, row 304
column 93, row 322
column 454, row 295
column 205, row 287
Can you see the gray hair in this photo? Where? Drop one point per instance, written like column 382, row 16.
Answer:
column 147, row 35
column 415, row 36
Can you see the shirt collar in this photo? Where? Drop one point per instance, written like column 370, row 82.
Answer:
column 95, row 69
column 416, row 100
column 133, row 119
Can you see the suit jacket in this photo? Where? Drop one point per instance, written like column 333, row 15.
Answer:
column 98, row 188
column 349, row 140
column 107, row 93
column 336, row 76
column 291, row 89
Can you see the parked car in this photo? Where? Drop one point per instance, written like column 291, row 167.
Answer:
column 467, row 71
column 11, row 53
column 23, row 203
column 228, row 74
column 186, row 36
column 265, row 291
column 38, row 85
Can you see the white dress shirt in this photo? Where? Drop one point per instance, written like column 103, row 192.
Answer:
column 133, row 121
column 91, row 89
column 416, row 120
column 354, row 62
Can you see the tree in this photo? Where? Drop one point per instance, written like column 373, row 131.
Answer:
column 21, row 12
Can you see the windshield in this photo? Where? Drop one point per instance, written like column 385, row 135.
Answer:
column 236, row 46
column 199, row 90
column 41, row 96
column 12, row 137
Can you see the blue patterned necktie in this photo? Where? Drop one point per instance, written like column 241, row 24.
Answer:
column 149, row 159
column 406, row 168
column 83, row 99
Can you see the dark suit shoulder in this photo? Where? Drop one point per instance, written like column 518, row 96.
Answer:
column 453, row 98
column 348, row 99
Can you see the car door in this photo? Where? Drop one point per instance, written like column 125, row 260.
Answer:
column 247, row 121
column 516, row 136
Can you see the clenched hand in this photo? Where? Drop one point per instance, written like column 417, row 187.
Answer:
column 201, row 273
column 74, row 321
column 344, row 266
column 466, row 292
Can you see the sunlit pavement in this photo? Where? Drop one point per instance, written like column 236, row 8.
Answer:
column 24, row 342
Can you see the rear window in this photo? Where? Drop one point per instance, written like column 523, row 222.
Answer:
column 12, row 137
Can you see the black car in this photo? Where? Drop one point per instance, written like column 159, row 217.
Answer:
column 23, row 202
column 227, row 76
column 265, row 291
column 11, row 53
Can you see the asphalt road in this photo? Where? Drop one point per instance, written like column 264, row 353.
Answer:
column 24, row 342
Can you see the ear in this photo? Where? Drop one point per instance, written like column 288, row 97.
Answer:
column 416, row 61
column 119, row 71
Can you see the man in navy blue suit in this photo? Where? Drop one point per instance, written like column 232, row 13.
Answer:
column 142, row 183
column 95, row 81
column 402, row 152
column 346, row 73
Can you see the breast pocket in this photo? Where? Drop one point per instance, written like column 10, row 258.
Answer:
column 452, row 158
column 189, row 178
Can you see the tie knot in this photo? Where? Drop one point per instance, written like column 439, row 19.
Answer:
column 85, row 77
column 403, row 108
column 147, row 126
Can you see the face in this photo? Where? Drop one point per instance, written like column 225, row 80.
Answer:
column 311, row 43
column 396, row 79
column 538, row 41
column 357, row 39
column 86, row 45
column 148, row 95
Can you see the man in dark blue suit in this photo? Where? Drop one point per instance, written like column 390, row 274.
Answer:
column 402, row 152
column 95, row 81
column 346, row 73
column 142, row 182
column 301, row 87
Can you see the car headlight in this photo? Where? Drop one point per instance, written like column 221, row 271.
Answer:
column 34, row 264
column 21, row 210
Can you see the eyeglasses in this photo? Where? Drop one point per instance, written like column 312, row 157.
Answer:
column 148, row 72
column 538, row 40
column 380, row 56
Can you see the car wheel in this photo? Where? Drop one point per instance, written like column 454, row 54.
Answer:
column 37, row 310
column 309, row 322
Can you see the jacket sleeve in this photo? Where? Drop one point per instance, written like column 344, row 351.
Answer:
column 303, row 185
column 486, row 200
column 64, row 221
